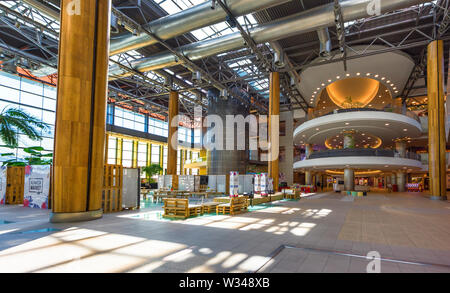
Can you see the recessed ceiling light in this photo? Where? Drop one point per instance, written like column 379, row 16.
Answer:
column 383, row 78
column 405, row 129
column 387, row 124
column 317, row 129
column 346, row 123
column 329, row 80
column 368, row 74
column 358, row 74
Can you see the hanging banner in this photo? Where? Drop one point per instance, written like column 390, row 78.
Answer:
column 3, row 184
column 37, row 186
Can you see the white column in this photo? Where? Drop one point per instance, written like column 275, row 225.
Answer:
column 349, row 180
column 308, row 178
column 400, row 147
column 401, row 176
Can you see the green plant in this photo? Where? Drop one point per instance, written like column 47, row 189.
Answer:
column 151, row 171
column 12, row 162
column 37, row 157
column 14, row 120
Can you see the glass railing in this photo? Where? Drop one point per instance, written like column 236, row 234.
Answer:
column 357, row 152
column 325, row 111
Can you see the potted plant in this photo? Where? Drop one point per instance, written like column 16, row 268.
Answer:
column 37, row 157
column 151, row 171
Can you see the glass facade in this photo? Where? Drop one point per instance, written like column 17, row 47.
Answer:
column 39, row 99
column 138, row 152
column 35, row 98
column 135, row 121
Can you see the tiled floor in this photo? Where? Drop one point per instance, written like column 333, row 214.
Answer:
column 323, row 233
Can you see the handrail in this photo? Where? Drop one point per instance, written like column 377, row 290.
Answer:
column 360, row 152
column 333, row 111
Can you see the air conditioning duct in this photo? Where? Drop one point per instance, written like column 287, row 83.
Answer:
column 303, row 22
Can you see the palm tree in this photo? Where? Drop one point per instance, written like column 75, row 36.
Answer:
column 13, row 120
column 151, row 170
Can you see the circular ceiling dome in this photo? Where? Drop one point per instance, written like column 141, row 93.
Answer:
column 355, row 92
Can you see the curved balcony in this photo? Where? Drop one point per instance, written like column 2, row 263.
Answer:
column 386, row 125
column 379, row 159
column 410, row 114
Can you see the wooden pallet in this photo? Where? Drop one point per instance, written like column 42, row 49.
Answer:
column 179, row 208
column 236, row 206
column 15, row 183
column 112, row 188
column 210, row 207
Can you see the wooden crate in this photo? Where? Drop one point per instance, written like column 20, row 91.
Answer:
column 112, row 188
column 15, row 182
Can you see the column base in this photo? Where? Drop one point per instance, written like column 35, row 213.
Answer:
column 438, row 197
column 75, row 217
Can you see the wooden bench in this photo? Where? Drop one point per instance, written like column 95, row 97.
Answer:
column 236, row 205
column 180, row 208
column 210, row 207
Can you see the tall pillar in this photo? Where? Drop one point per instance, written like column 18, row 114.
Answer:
column 400, row 147
column 319, row 179
column 308, row 178
column 81, row 111
column 436, row 121
column 401, row 176
column 349, row 179
column 309, row 149
column 173, row 138
column 274, row 121
column 393, row 179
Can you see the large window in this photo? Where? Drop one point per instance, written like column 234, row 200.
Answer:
column 129, row 119
column 155, row 154
column 127, row 153
column 198, row 136
column 112, row 150
column 184, row 134
column 158, row 127
column 165, row 158
column 35, row 98
column 142, row 154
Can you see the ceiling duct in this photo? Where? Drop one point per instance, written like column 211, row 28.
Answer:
column 303, row 22
column 176, row 24
column 325, row 42
column 188, row 20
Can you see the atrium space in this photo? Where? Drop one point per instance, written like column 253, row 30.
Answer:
column 213, row 136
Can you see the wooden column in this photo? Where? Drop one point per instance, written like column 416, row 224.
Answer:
column 173, row 139
column 436, row 121
column 81, row 111
column 274, row 121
